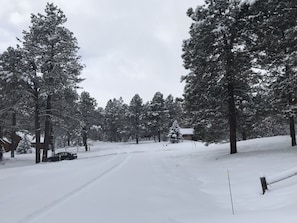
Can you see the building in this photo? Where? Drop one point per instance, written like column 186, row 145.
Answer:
column 187, row 133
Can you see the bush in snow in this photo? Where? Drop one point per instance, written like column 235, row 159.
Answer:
column 24, row 146
column 174, row 133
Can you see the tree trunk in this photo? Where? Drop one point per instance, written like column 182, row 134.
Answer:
column 137, row 140
column 229, row 43
column 85, row 138
column 52, row 142
column 137, row 132
column 232, row 119
column 13, row 138
column 159, row 135
column 292, row 131
column 292, row 121
column 37, row 126
column 68, row 139
column 47, row 132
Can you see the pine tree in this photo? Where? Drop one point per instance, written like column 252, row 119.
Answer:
column 136, row 116
column 96, row 131
column 115, row 124
column 67, row 119
column 218, row 60
column 24, row 146
column 51, row 53
column 158, row 116
column 146, row 128
column 125, row 130
column 276, row 45
column 111, row 121
column 87, row 108
column 174, row 133
column 246, row 106
column 13, row 87
column 174, row 107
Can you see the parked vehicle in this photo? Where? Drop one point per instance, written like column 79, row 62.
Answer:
column 62, row 156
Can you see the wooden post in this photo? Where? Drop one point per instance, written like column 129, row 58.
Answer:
column 263, row 184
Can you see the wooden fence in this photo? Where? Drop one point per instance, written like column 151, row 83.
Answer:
column 265, row 181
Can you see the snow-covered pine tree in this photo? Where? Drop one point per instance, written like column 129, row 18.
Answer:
column 116, row 118
column 214, row 54
column 14, row 83
column 158, row 116
column 24, row 146
column 147, row 130
column 87, row 108
column 174, row 107
column 66, row 119
column 174, row 133
column 96, row 131
column 275, row 29
column 136, row 116
column 110, row 121
column 246, row 93
column 125, row 130
column 51, row 51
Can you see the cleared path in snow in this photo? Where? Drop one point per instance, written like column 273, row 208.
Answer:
column 145, row 187
column 108, row 167
column 56, row 184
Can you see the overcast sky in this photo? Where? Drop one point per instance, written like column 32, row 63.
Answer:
column 128, row 46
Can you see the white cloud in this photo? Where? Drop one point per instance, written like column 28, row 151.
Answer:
column 128, row 46
column 16, row 18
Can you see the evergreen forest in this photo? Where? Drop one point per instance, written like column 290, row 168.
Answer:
column 241, row 62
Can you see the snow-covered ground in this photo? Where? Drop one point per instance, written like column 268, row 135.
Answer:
column 152, row 183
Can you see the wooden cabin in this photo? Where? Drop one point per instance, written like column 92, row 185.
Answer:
column 187, row 133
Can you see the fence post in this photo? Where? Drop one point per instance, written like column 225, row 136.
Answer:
column 263, row 184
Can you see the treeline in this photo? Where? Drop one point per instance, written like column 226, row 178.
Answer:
column 242, row 82
column 242, row 60
column 137, row 120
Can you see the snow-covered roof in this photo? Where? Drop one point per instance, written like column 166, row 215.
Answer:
column 248, row 2
column 187, row 131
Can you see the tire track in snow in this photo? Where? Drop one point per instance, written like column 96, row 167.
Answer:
column 116, row 163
